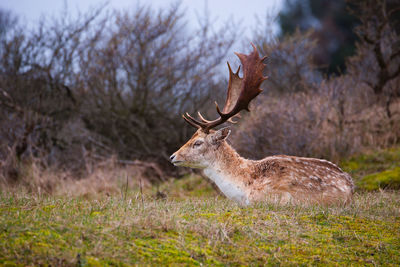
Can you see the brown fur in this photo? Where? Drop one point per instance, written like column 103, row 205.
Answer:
column 284, row 178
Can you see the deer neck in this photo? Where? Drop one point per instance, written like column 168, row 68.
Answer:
column 229, row 171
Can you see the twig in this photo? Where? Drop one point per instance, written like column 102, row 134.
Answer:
column 100, row 144
column 126, row 186
column 141, row 190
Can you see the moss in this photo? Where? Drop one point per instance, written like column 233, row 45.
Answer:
column 386, row 179
column 162, row 252
column 375, row 170
column 372, row 162
column 92, row 261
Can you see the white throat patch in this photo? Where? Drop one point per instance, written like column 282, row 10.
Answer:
column 230, row 189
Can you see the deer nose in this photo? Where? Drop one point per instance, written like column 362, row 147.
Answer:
column 172, row 157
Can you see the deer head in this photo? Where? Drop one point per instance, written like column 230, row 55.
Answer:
column 200, row 149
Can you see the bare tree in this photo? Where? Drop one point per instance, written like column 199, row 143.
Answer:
column 149, row 69
column 291, row 59
column 378, row 49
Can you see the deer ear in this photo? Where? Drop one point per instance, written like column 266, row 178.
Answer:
column 221, row 134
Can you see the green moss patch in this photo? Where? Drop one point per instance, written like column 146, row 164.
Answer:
column 375, row 170
column 389, row 179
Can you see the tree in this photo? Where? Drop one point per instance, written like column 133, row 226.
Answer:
column 377, row 61
column 332, row 25
column 144, row 75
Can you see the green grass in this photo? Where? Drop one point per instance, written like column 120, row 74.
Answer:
column 196, row 231
column 194, row 225
column 372, row 171
column 385, row 179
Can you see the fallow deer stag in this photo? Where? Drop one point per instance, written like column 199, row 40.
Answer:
column 281, row 178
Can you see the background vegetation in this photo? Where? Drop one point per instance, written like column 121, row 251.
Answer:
column 76, row 92
column 90, row 110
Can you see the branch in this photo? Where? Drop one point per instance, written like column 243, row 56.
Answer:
column 395, row 54
column 395, row 74
column 11, row 105
column 379, row 55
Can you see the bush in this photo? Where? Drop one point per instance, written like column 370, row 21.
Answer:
column 103, row 85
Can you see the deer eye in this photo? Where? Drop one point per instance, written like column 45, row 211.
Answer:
column 197, row 143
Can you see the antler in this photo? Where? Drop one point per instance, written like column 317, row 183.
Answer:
column 240, row 91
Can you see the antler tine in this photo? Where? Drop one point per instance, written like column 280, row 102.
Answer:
column 240, row 91
column 231, row 121
column 237, row 72
column 207, row 121
column 235, row 116
column 202, row 118
column 190, row 120
column 264, row 58
column 218, row 110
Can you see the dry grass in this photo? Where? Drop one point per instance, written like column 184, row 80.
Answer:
column 102, row 179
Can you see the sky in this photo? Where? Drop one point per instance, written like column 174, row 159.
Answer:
column 243, row 11
column 247, row 13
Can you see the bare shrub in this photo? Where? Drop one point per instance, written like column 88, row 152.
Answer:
column 83, row 89
column 37, row 103
column 151, row 71
column 290, row 64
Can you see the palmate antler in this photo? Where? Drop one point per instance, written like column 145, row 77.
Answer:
column 240, row 91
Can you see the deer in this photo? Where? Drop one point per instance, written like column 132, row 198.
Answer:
column 279, row 178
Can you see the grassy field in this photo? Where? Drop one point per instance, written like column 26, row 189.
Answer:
column 194, row 225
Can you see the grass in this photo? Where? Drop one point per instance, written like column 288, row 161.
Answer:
column 375, row 170
column 197, row 231
column 194, row 225
column 385, row 179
